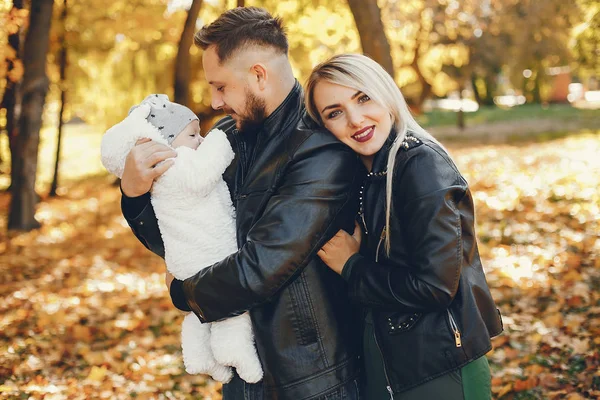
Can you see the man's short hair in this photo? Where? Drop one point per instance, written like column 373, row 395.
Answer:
column 241, row 27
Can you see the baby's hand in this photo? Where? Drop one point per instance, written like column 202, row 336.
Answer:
column 138, row 113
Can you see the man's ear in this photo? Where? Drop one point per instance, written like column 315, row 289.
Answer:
column 259, row 75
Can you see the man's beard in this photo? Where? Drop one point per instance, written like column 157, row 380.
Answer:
column 255, row 113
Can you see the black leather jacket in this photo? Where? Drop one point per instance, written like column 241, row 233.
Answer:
column 431, row 306
column 292, row 193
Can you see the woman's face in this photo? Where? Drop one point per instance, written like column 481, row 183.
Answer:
column 354, row 118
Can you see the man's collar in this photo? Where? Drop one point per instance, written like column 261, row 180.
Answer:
column 282, row 115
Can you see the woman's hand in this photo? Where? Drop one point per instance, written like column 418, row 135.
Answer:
column 340, row 248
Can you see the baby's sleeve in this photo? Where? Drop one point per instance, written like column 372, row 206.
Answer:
column 118, row 141
column 200, row 170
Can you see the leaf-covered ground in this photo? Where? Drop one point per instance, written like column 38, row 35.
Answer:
column 84, row 313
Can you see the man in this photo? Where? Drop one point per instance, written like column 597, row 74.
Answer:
column 293, row 188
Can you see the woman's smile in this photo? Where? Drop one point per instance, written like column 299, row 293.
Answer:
column 364, row 134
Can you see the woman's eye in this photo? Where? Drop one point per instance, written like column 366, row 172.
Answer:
column 220, row 88
column 333, row 114
column 364, row 98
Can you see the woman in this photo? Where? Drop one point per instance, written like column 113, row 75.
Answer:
column 429, row 314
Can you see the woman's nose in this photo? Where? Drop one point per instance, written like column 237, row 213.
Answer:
column 355, row 119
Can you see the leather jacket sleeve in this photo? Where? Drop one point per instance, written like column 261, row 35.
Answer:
column 427, row 205
column 309, row 207
column 140, row 216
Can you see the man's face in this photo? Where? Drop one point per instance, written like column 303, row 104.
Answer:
column 231, row 91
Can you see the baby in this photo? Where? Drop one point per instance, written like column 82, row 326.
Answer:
column 196, row 221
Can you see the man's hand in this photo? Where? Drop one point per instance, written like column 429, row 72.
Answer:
column 340, row 248
column 141, row 168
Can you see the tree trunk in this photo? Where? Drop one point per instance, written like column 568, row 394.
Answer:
column 426, row 90
column 373, row 40
column 35, row 86
column 426, row 87
column 182, row 62
column 490, row 88
column 476, row 94
column 460, row 115
column 62, row 59
column 537, row 84
column 11, row 100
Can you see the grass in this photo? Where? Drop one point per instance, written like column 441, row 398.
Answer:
column 491, row 114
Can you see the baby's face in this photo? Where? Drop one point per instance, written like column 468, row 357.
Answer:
column 189, row 136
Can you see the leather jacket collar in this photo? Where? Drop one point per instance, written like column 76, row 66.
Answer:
column 279, row 120
column 380, row 159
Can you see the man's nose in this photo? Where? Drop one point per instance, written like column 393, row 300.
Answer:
column 216, row 101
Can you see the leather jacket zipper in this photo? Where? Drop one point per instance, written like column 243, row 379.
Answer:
column 362, row 216
column 454, row 326
column 240, row 153
column 239, row 179
column 387, row 379
column 379, row 244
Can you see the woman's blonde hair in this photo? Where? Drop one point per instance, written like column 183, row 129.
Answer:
column 359, row 72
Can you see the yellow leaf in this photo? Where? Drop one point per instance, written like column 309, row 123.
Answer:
column 572, row 275
column 580, row 346
column 94, row 357
column 7, row 388
column 504, row 390
column 575, row 396
column 81, row 332
column 553, row 320
column 97, row 373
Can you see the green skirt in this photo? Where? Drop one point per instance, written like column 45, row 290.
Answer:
column 471, row 382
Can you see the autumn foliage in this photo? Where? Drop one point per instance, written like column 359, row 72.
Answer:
column 85, row 313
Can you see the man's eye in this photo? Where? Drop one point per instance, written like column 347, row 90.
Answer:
column 221, row 89
column 364, row 98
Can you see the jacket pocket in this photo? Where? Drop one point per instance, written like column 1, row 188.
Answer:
column 455, row 329
column 401, row 322
column 302, row 318
column 252, row 193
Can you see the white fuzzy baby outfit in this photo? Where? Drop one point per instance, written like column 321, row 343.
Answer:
column 196, row 221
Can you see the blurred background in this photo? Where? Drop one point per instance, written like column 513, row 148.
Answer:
column 511, row 87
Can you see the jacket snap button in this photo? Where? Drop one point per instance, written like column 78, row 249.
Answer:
column 141, row 222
